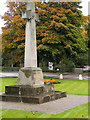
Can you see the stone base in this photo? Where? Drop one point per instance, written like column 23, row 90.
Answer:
column 30, row 76
column 28, row 94
column 31, row 88
column 34, row 99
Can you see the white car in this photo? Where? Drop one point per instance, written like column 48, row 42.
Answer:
column 86, row 69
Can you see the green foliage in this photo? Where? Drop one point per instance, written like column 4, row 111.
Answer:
column 61, row 34
column 82, row 61
column 9, row 69
column 67, row 63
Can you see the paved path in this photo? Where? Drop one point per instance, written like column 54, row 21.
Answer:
column 54, row 75
column 8, row 74
column 73, row 76
column 52, row 107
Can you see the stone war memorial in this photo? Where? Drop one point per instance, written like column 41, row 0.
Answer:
column 30, row 86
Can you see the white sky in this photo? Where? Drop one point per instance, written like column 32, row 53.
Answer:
column 3, row 9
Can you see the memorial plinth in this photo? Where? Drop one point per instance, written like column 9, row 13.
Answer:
column 28, row 94
column 30, row 86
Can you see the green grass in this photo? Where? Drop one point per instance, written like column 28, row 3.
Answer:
column 72, row 86
column 7, row 81
column 76, row 87
column 80, row 111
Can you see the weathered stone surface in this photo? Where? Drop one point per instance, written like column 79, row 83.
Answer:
column 49, row 88
column 30, row 100
column 30, row 37
column 63, row 94
column 28, row 90
column 30, row 76
column 12, row 90
column 38, row 99
column 29, row 94
column 12, row 98
column 46, row 98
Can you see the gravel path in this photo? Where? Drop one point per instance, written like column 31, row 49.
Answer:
column 52, row 107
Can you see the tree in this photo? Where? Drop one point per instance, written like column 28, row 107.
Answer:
column 13, row 37
column 60, row 34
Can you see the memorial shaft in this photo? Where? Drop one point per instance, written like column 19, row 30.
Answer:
column 30, row 59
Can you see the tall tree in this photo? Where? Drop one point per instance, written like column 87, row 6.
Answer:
column 59, row 32
column 13, row 37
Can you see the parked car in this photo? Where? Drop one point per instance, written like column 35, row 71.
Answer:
column 86, row 69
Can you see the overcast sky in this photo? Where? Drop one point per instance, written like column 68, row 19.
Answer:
column 3, row 9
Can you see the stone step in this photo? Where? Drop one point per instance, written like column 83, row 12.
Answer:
column 38, row 99
column 28, row 90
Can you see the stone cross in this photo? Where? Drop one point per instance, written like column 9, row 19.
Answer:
column 30, row 75
column 30, row 59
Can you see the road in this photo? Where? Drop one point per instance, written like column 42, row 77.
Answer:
column 53, row 75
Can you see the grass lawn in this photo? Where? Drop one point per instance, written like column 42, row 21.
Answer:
column 80, row 111
column 75, row 87
column 7, row 81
